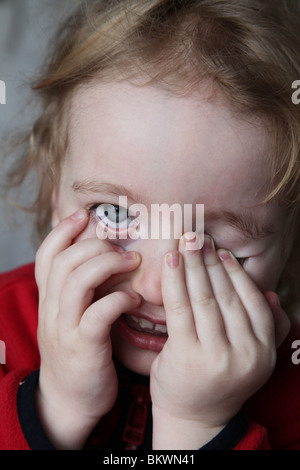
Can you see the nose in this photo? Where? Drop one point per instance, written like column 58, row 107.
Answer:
column 146, row 279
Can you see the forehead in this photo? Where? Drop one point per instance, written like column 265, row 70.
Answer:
column 167, row 148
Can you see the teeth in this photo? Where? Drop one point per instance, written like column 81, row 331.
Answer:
column 161, row 328
column 136, row 319
column 143, row 323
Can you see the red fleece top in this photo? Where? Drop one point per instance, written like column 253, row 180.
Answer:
column 269, row 420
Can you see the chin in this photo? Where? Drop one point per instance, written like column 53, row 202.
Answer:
column 133, row 358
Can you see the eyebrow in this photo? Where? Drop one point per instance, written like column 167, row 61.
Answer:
column 244, row 222
column 251, row 228
column 91, row 186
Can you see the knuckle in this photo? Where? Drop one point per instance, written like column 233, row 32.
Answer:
column 228, row 297
column 268, row 356
column 224, row 363
column 95, row 314
column 59, row 262
column 212, row 261
column 252, row 361
column 177, row 307
column 259, row 358
column 74, row 280
column 205, row 300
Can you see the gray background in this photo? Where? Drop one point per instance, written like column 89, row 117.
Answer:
column 25, row 29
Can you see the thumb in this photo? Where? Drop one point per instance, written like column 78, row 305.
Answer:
column 281, row 320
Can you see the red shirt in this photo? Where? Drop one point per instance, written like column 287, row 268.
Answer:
column 269, row 420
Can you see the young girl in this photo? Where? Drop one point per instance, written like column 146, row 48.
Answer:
column 160, row 343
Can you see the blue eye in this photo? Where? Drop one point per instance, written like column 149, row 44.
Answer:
column 113, row 216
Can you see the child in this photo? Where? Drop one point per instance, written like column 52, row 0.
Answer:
column 160, row 343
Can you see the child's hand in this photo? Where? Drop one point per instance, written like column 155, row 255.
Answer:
column 221, row 346
column 78, row 382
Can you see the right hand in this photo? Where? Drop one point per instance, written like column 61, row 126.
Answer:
column 78, row 382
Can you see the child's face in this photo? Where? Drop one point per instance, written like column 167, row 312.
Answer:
column 157, row 148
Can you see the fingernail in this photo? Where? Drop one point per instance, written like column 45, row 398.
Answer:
column 131, row 255
column 192, row 241
column 172, row 259
column 208, row 244
column 80, row 214
column 225, row 255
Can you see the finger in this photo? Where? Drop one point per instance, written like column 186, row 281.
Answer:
column 179, row 316
column 70, row 259
column 257, row 308
column 282, row 321
column 207, row 317
column 97, row 320
column 234, row 314
column 79, row 289
column 58, row 240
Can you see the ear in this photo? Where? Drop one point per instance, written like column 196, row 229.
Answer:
column 54, row 216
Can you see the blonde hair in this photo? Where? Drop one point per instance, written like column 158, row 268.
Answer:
column 248, row 49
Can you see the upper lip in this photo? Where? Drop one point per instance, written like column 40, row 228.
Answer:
column 147, row 316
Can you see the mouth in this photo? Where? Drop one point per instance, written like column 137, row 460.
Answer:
column 146, row 326
column 141, row 332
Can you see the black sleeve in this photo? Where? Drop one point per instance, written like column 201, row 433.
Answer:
column 29, row 421
column 35, row 435
column 230, row 436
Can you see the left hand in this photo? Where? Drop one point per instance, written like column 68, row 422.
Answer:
column 221, row 347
